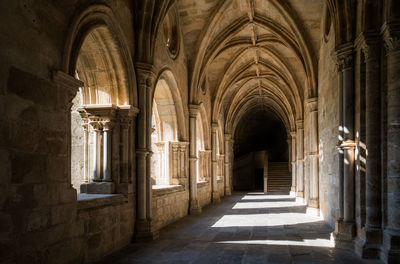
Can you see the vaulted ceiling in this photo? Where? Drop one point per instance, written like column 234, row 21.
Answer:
column 244, row 53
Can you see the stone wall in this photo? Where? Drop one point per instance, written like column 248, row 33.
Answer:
column 39, row 215
column 328, row 131
column 104, row 225
column 169, row 204
column 204, row 193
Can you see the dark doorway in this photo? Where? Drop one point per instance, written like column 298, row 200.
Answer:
column 259, row 179
column 258, row 131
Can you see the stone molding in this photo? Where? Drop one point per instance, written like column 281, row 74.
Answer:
column 145, row 74
column 391, row 36
column 299, row 124
column 369, row 44
column 344, row 56
column 193, row 110
column 312, row 104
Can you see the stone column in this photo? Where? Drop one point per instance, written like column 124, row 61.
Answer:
column 293, row 163
column 127, row 115
column 300, row 161
column 96, row 152
column 107, row 150
column 214, row 161
column 289, row 143
column 345, row 229
column 348, row 132
column 86, row 167
column 312, row 104
column 125, row 125
column 194, row 203
column 227, row 164
column 143, row 224
column 392, row 229
column 373, row 232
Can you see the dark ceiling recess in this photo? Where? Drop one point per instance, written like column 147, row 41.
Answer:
column 261, row 129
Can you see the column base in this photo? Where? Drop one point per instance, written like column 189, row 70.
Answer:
column 195, row 208
column 314, row 203
column 391, row 246
column 228, row 191
column 344, row 234
column 313, row 211
column 144, row 231
column 292, row 193
column 215, row 197
column 300, row 200
column 370, row 243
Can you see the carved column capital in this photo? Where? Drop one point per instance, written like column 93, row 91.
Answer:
column 194, row 110
column 145, row 74
column 299, row 124
column 107, row 125
column 293, row 134
column 369, row 44
column 312, row 104
column 344, row 56
column 68, row 84
column 96, row 125
column 391, row 36
column 214, row 127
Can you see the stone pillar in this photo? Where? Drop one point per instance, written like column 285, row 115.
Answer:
column 127, row 115
column 144, row 228
column 289, row 143
column 373, row 227
column 107, row 150
column 312, row 104
column 345, row 228
column 214, row 161
column 392, row 229
column 86, row 167
column 194, row 203
column 293, row 163
column 300, row 161
column 96, row 152
column 227, row 164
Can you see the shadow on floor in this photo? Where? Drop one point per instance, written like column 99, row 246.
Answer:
column 243, row 228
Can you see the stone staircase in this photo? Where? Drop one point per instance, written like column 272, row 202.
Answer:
column 279, row 178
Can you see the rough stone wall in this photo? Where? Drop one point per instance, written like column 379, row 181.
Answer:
column 204, row 193
column 328, row 131
column 105, row 228
column 38, row 208
column 169, row 205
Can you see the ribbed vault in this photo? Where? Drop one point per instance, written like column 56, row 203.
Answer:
column 252, row 53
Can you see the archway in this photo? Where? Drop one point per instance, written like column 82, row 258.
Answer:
column 101, row 113
column 168, row 133
column 260, row 145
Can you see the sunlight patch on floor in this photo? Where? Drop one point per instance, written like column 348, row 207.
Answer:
column 265, row 205
column 326, row 243
column 265, row 220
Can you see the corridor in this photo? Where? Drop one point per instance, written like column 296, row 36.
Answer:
column 243, row 228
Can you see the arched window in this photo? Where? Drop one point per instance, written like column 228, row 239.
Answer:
column 169, row 154
column 100, row 116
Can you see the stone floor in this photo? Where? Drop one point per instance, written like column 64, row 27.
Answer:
column 243, row 228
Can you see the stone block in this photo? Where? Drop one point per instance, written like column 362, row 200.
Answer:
column 100, row 188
